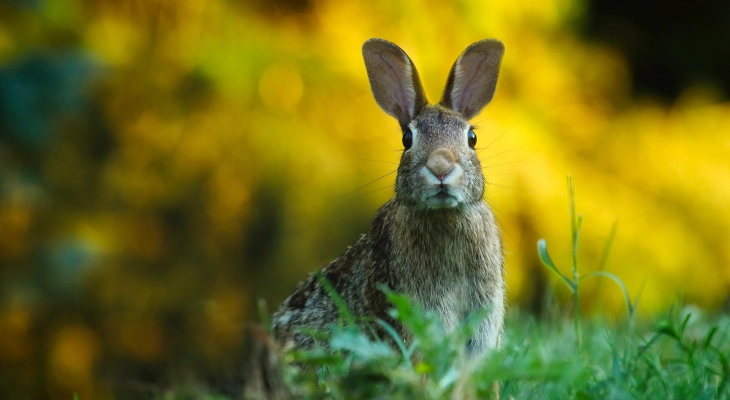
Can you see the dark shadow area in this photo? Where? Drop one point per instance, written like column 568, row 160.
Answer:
column 668, row 45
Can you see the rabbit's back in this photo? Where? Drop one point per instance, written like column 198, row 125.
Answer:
column 354, row 278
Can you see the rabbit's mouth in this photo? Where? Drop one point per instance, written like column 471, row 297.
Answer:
column 441, row 198
column 443, row 195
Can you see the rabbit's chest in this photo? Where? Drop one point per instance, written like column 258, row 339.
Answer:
column 452, row 302
column 451, row 266
column 452, row 288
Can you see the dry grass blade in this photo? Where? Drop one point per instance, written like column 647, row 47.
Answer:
column 264, row 368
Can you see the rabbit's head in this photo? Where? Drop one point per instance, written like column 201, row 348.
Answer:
column 439, row 167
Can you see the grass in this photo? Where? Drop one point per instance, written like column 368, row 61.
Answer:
column 681, row 355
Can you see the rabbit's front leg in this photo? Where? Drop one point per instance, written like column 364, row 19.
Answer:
column 488, row 335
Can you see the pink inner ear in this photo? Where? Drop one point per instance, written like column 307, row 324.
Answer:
column 468, row 76
column 398, row 78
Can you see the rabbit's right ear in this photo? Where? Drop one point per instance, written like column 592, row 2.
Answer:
column 394, row 80
column 473, row 78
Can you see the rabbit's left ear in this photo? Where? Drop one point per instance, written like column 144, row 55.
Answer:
column 394, row 80
column 473, row 78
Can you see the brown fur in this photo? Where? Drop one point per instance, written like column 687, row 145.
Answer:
column 437, row 241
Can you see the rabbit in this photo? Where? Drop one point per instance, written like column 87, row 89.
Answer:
column 436, row 241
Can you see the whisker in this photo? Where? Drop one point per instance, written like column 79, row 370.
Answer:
column 498, row 137
column 374, row 170
column 500, row 172
column 498, row 211
column 510, row 187
column 372, row 191
column 380, row 161
column 505, row 163
column 477, row 123
column 382, row 140
column 495, row 155
column 366, row 185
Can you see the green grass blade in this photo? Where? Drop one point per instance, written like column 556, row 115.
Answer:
column 619, row 282
column 341, row 306
column 725, row 370
column 574, row 225
column 609, row 245
column 398, row 341
column 545, row 258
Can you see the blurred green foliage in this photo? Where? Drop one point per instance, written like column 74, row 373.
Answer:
column 682, row 355
column 164, row 163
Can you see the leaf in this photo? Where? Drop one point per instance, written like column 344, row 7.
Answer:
column 398, row 341
column 618, row 281
column 354, row 341
column 449, row 378
column 545, row 258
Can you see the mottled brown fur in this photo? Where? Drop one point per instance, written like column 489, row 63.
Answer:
column 436, row 241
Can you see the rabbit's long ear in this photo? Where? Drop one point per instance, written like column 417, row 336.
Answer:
column 473, row 78
column 394, row 80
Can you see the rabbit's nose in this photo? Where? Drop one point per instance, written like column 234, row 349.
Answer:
column 441, row 162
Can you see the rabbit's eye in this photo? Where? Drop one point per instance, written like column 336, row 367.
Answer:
column 407, row 139
column 472, row 139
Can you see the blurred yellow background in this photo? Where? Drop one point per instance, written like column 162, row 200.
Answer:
column 164, row 164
